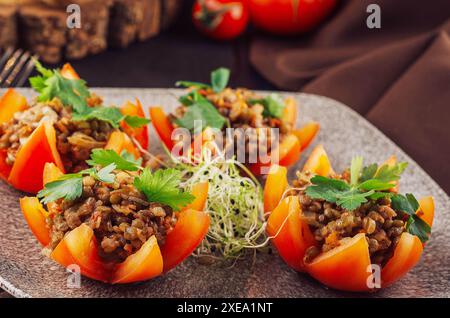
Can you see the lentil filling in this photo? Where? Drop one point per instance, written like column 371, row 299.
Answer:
column 236, row 106
column 75, row 139
column 119, row 214
column 331, row 225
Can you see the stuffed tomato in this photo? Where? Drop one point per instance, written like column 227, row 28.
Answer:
column 118, row 226
column 252, row 119
column 61, row 126
column 351, row 231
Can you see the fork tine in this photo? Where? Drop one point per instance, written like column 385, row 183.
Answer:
column 17, row 69
column 9, row 66
column 6, row 55
column 29, row 67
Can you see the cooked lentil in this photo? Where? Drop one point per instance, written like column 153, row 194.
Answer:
column 331, row 225
column 74, row 140
column 234, row 104
column 119, row 214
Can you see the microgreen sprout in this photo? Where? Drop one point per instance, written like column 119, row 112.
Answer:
column 234, row 204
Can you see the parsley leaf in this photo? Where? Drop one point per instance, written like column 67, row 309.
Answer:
column 370, row 183
column 418, row 227
column 111, row 115
column 219, row 79
column 327, row 188
column 389, row 173
column 51, row 84
column 355, row 169
column 273, row 105
column 365, row 183
column 130, row 157
column 105, row 157
column 337, row 191
column 415, row 225
column 192, row 98
column 376, row 184
column 68, row 188
column 136, row 121
column 353, row 199
column 368, row 172
column 189, row 84
column 74, row 93
column 105, row 174
column 203, row 111
column 405, row 203
column 162, row 187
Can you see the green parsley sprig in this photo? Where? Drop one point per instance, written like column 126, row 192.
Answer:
column 70, row 186
column 371, row 182
column 51, row 84
column 200, row 108
column 415, row 225
column 74, row 93
column 273, row 105
column 161, row 186
column 219, row 81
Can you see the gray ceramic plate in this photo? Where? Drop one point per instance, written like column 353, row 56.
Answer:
column 25, row 272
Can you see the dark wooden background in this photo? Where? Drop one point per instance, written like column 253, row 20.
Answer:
column 179, row 53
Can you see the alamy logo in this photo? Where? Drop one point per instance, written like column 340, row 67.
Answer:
column 374, row 279
column 74, row 16
column 74, row 279
column 373, row 21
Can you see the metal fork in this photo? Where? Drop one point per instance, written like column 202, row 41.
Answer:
column 15, row 67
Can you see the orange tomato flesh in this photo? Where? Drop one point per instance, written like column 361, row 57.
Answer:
column 392, row 160
column 119, row 141
column 288, row 153
column 290, row 235
column 141, row 133
column 318, row 162
column 200, row 192
column 51, row 173
column 5, row 169
column 69, row 72
column 40, row 148
column 346, row 267
column 35, row 215
column 82, row 246
column 276, row 184
column 406, row 255
column 426, row 210
column 162, row 125
column 145, row 264
column 189, row 231
column 306, row 134
column 10, row 103
column 290, row 111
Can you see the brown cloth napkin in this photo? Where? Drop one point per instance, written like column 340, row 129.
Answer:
column 398, row 76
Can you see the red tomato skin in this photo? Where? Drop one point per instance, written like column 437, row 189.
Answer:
column 288, row 17
column 229, row 27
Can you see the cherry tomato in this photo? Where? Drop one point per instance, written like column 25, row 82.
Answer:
column 286, row 17
column 221, row 19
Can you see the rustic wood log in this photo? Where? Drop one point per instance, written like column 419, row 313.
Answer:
column 127, row 18
column 151, row 23
column 40, row 25
column 8, row 26
column 92, row 37
column 169, row 12
column 43, row 31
